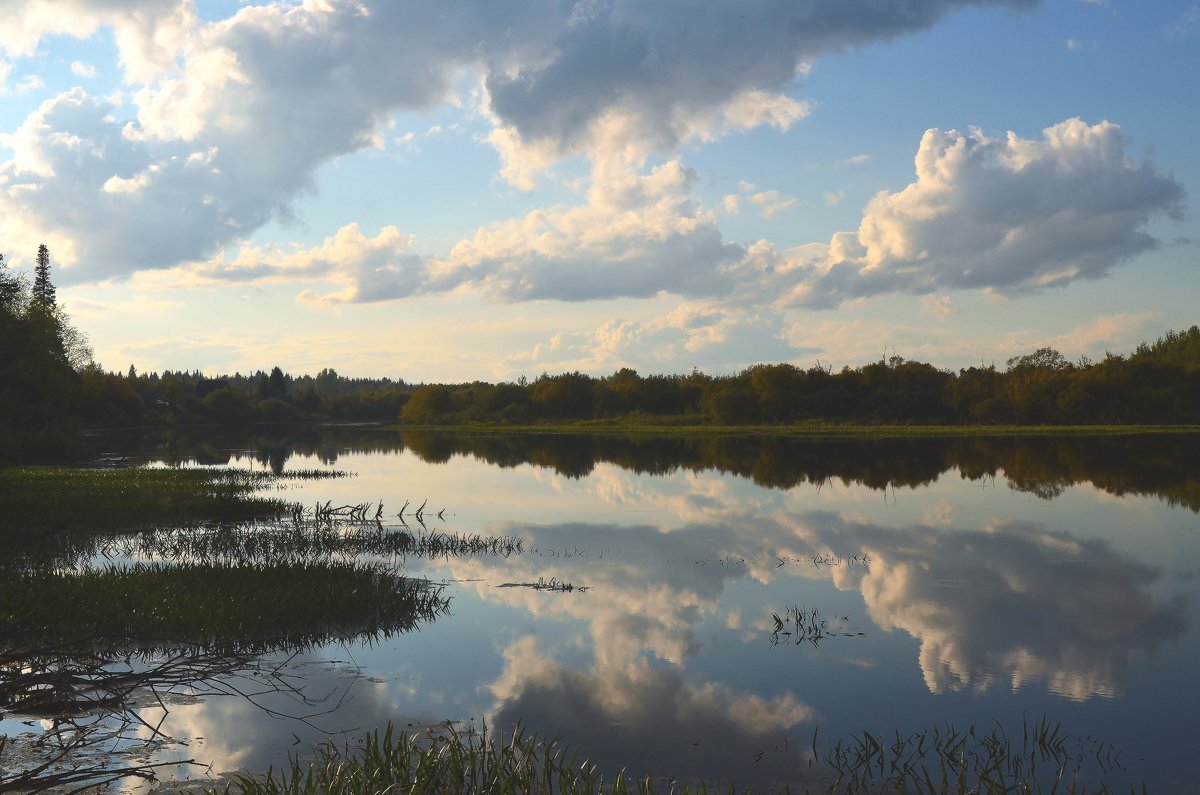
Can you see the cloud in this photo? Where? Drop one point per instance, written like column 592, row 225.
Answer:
column 1188, row 23
column 81, row 69
column 639, row 234
column 834, row 198
column 937, row 306
column 29, row 83
column 701, row 327
column 262, row 98
column 1121, row 331
column 1012, row 215
column 771, row 203
column 149, row 34
column 275, row 91
column 1009, row 216
column 724, row 69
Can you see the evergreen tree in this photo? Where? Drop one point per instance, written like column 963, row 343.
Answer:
column 43, row 289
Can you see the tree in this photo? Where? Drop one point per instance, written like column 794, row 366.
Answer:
column 276, row 384
column 11, row 291
column 44, row 294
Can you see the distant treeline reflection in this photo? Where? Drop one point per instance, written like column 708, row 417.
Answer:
column 1160, row 465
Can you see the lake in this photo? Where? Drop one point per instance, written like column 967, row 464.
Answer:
column 715, row 608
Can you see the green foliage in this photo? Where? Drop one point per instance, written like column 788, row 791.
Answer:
column 1178, row 347
column 1158, row 385
column 39, row 387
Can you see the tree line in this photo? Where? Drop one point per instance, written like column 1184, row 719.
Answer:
column 50, row 388
column 1159, row 383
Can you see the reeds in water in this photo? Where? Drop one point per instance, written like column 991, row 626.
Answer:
column 941, row 760
column 450, row 761
column 798, row 625
column 248, row 608
column 553, row 584
column 949, row 760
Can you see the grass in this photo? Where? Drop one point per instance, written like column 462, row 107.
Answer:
column 63, row 499
column 937, row 760
column 301, row 542
column 445, row 762
column 244, row 609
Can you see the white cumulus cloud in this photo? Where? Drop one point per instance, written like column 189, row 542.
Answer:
column 1007, row 214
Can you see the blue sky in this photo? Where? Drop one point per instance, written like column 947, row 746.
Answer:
column 438, row 191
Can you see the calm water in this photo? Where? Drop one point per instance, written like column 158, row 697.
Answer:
column 960, row 582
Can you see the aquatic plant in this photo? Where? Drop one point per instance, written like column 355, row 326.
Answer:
column 938, row 760
column 798, row 625
column 52, row 512
column 553, row 584
column 249, row 608
column 450, row 761
column 289, row 541
column 949, row 760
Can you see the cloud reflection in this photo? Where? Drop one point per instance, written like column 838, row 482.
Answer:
column 651, row 719
column 1006, row 604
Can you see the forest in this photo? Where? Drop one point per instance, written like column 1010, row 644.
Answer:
column 51, row 389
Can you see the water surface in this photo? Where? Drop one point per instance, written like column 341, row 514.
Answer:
column 711, row 602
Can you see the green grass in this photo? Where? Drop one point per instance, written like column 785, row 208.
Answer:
column 245, row 609
column 67, row 499
column 448, row 762
column 54, row 515
column 937, row 760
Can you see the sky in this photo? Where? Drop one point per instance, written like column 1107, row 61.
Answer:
column 451, row 191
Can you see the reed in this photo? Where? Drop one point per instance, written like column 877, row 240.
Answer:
column 250, row 608
column 450, row 761
column 798, row 625
column 553, row 584
column 940, row 760
column 42, row 505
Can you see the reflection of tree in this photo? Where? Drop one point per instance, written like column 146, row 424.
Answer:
column 1160, row 464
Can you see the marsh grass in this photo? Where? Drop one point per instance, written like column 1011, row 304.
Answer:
column 937, row 760
column 798, row 625
column 449, row 761
column 61, row 500
column 297, row 542
column 247, row 609
column 949, row 760
column 553, row 585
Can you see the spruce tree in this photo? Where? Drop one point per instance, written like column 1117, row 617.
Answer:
column 43, row 289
